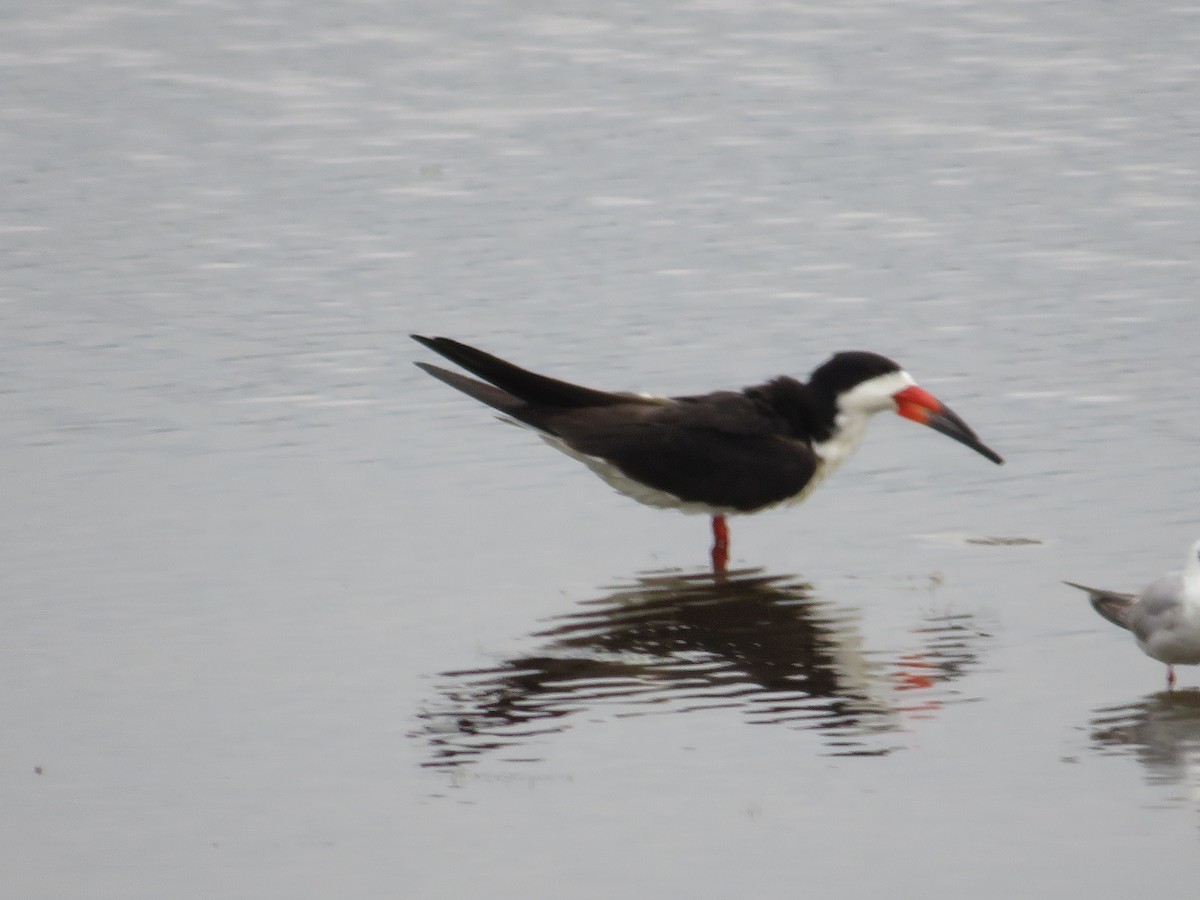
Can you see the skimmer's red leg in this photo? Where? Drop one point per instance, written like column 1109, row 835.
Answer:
column 720, row 547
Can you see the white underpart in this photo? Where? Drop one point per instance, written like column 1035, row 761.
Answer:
column 855, row 409
column 1165, row 619
column 619, row 481
column 635, row 490
column 1181, row 644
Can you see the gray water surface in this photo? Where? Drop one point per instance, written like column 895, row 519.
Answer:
column 284, row 617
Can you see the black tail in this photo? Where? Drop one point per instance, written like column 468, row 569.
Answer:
column 480, row 390
column 1113, row 605
column 517, row 383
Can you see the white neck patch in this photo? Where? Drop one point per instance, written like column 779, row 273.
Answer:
column 855, row 408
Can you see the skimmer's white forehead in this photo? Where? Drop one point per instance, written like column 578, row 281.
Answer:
column 875, row 394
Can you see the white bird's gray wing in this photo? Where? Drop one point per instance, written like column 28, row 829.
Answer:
column 1112, row 605
column 1159, row 609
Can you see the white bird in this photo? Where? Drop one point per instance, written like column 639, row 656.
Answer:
column 1164, row 617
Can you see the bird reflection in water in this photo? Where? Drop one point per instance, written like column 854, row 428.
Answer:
column 1162, row 732
column 677, row 642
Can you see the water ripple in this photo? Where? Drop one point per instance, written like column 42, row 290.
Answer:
column 670, row 642
column 1162, row 732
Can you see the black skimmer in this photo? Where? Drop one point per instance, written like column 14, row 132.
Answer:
column 724, row 453
column 1164, row 617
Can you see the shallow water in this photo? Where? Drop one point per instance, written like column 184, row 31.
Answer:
column 286, row 617
column 681, row 643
